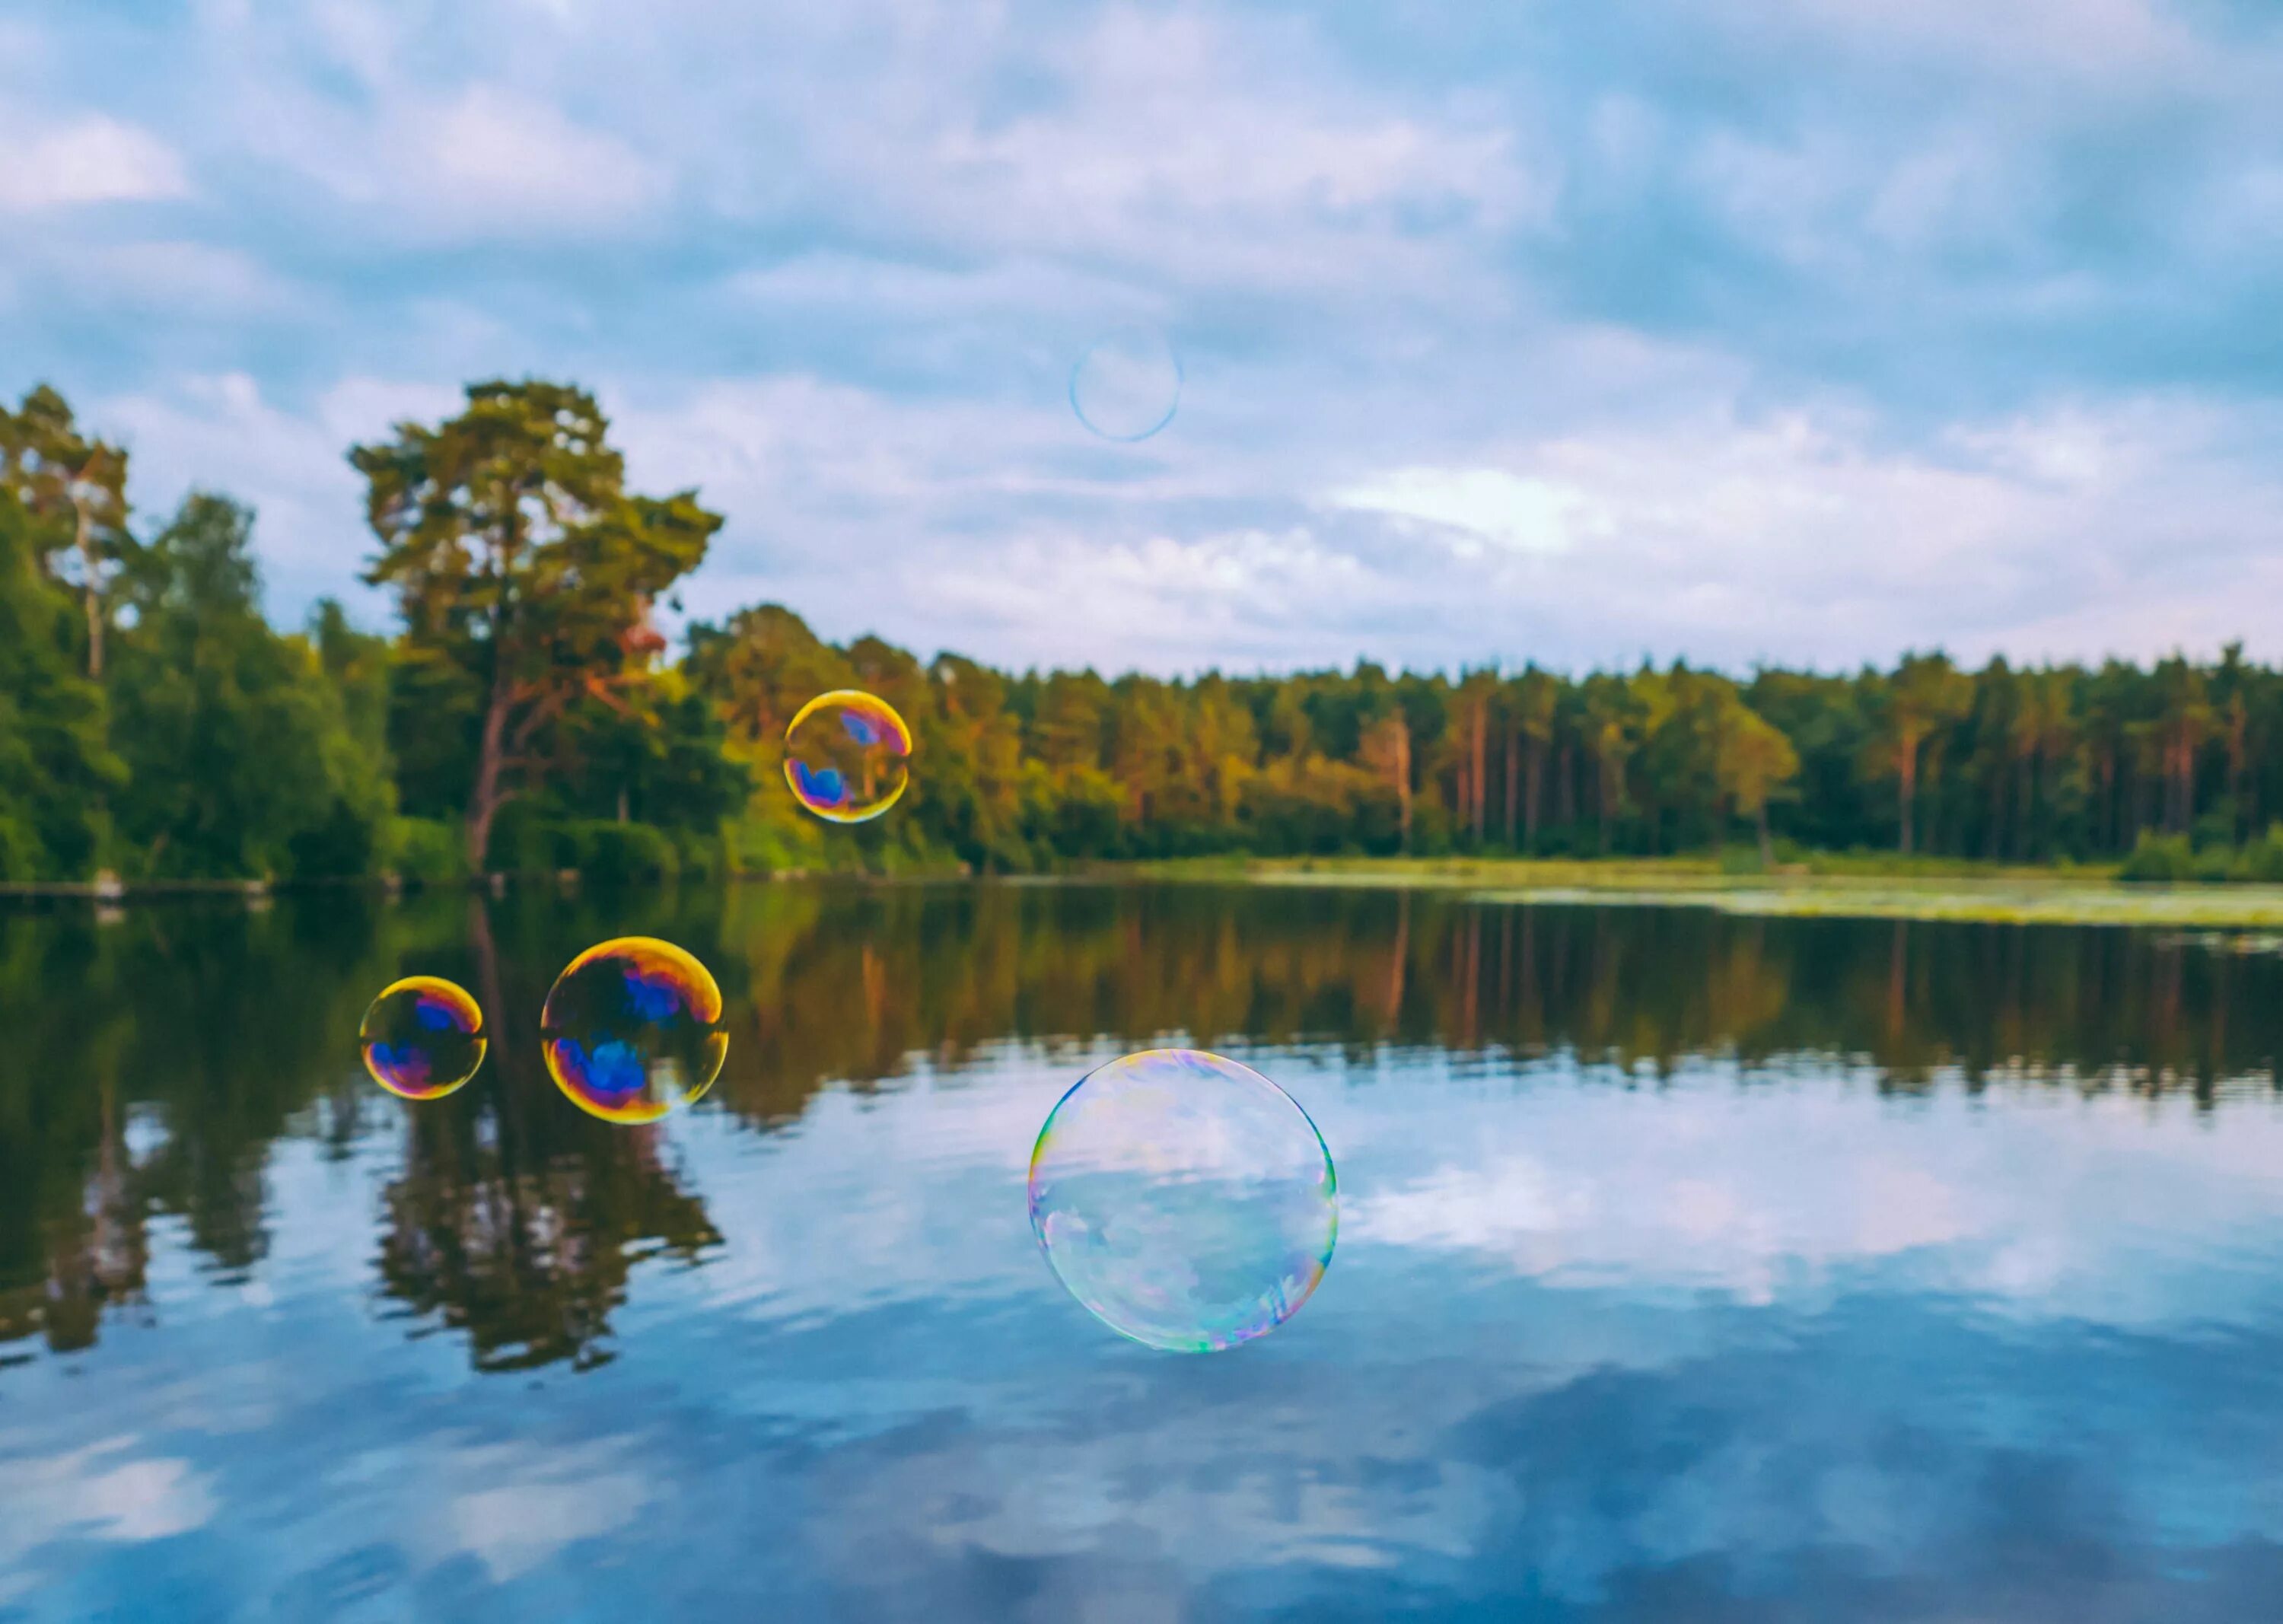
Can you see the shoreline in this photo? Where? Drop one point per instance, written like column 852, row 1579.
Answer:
column 2007, row 896
column 2002, row 896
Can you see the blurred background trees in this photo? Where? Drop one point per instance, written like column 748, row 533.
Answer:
column 528, row 715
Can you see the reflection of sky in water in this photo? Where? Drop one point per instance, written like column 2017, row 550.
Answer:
column 1590, row 1350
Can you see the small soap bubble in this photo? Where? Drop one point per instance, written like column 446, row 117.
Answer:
column 632, row 1030
column 423, row 1037
column 1128, row 383
column 847, row 756
column 1186, row 1200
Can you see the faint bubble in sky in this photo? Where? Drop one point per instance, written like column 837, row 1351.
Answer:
column 423, row 1037
column 1128, row 383
column 1186, row 1200
column 847, row 756
column 632, row 1030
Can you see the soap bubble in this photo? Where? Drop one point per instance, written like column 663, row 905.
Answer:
column 1126, row 385
column 632, row 1029
column 1184, row 1199
column 423, row 1037
column 847, row 756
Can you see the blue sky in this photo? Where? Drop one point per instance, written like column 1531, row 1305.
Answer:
column 1798, row 330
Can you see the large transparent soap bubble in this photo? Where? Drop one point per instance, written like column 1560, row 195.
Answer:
column 1128, row 383
column 632, row 1030
column 1184, row 1199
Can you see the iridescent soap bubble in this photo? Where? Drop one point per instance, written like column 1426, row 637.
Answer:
column 1184, row 1199
column 632, row 1029
column 423, row 1037
column 847, row 756
column 1128, row 383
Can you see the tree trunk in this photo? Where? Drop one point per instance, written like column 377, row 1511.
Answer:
column 2025, row 795
column 2236, row 754
column 90, row 587
column 490, row 794
column 490, row 791
column 1907, row 776
column 1474, row 782
column 1994, row 833
column 1767, row 846
column 1403, row 779
column 1513, row 784
column 1530, row 800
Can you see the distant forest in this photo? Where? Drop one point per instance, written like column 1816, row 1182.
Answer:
column 528, row 717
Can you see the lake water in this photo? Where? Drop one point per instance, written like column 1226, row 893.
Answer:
column 1689, row 1268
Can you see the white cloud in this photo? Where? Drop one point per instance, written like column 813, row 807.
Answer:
column 92, row 159
column 1191, row 148
column 1487, row 505
column 1434, row 409
column 492, row 150
column 218, row 432
column 1804, row 537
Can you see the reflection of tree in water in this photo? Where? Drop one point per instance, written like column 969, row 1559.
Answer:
column 527, row 1248
column 154, row 1061
column 846, row 985
column 152, row 1065
column 518, row 1218
column 96, row 1252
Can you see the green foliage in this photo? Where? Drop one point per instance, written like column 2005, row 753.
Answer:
column 243, row 758
column 2160, row 859
column 525, row 570
column 424, row 851
column 56, row 767
column 71, row 489
column 2261, row 860
column 619, row 854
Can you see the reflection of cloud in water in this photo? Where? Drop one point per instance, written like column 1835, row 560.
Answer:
column 1736, row 1346
column 1720, row 1179
column 533, row 1504
column 1757, row 1187
column 103, row 1492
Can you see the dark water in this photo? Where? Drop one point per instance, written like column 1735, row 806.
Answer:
column 1689, row 1268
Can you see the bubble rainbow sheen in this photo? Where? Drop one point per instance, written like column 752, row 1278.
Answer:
column 423, row 1037
column 847, row 756
column 632, row 1030
column 1185, row 1199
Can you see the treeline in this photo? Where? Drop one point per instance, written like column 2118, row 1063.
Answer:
column 528, row 717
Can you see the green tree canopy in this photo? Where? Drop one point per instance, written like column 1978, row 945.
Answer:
column 73, row 489
column 526, row 571
column 243, row 758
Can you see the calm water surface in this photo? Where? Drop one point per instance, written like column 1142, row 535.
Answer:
column 1689, row 1268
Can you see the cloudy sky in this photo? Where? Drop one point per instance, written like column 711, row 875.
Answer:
column 1796, row 329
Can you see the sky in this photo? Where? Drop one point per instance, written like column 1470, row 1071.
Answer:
column 1791, row 331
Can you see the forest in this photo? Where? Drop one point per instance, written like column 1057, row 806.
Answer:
column 527, row 716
